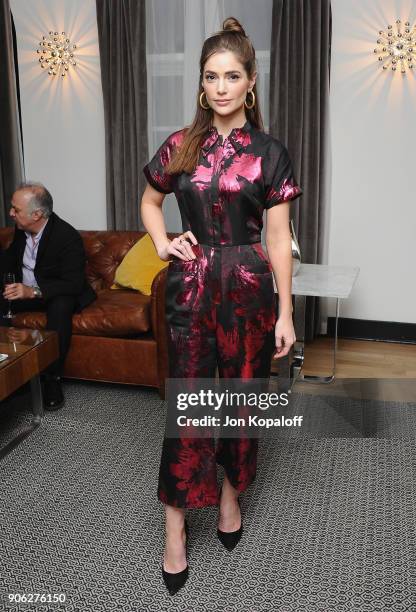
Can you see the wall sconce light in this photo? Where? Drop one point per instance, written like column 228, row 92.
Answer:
column 56, row 53
column 397, row 47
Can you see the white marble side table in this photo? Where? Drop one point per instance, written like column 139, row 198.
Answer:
column 323, row 281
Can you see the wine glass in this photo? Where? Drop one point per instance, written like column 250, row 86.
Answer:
column 9, row 279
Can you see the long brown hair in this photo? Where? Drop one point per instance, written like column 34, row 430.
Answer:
column 233, row 38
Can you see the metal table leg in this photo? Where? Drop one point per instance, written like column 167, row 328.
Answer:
column 298, row 355
column 37, row 400
column 37, row 410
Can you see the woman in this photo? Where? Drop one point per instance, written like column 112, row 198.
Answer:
column 220, row 302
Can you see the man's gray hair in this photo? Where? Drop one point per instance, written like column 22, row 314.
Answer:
column 41, row 198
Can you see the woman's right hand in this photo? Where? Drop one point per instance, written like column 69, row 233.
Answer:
column 180, row 247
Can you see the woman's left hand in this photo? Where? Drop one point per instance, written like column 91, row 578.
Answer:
column 285, row 336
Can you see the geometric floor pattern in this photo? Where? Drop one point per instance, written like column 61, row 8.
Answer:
column 329, row 523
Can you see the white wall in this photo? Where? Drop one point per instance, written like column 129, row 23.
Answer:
column 63, row 120
column 373, row 124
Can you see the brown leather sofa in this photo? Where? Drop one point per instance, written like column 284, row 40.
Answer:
column 121, row 337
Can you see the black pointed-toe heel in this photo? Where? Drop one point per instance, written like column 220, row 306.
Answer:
column 175, row 581
column 231, row 539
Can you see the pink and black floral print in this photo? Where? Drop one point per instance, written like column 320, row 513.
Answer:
column 236, row 178
column 220, row 307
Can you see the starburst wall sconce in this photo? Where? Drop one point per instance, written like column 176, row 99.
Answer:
column 397, row 47
column 56, row 54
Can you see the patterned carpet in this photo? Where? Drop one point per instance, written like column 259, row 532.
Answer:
column 329, row 523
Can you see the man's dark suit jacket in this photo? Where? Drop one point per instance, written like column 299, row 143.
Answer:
column 60, row 262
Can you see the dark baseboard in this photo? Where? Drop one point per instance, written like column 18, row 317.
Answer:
column 382, row 331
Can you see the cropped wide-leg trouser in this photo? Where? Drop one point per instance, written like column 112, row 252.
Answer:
column 220, row 312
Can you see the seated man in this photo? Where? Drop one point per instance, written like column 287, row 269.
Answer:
column 48, row 259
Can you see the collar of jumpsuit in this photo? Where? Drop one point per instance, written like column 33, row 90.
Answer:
column 238, row 137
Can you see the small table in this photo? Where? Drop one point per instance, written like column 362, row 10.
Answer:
column 29, row 352
column 323, row 281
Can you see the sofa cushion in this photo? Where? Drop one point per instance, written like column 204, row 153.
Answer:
column 139, row 267
column 113, row 313
column 105, row 251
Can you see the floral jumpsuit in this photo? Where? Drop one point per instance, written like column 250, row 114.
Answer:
column 221, row 306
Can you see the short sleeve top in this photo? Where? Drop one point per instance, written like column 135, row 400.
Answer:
column 236, row 178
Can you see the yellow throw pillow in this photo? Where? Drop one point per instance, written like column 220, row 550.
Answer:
column 139, row 267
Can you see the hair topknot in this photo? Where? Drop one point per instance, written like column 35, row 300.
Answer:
column 231, row 24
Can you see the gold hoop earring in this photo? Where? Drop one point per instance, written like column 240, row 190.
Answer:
column 200, row 102
column 253, row 103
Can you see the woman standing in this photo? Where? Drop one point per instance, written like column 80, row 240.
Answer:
column 220, row 301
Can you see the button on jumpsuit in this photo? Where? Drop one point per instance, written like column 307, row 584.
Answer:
column 221, row 306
